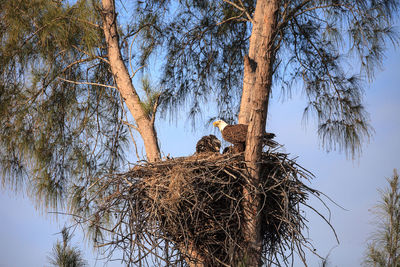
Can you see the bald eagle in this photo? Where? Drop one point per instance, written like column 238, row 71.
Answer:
column 209, row 143
column 237, row 133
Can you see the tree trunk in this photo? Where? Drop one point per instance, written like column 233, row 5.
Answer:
column 124, row 82
column 258, row 68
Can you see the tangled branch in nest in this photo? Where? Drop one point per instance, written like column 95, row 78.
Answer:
column 191, row 207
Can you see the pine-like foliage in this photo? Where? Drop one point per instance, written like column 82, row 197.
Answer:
column 204, row 43
column 384, row 248
column 329, row 47
column 59, row 128
column 64, row 255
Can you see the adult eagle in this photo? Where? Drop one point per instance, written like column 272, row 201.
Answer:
column 237, row 133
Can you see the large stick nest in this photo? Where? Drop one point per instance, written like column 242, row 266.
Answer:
column 189, row 207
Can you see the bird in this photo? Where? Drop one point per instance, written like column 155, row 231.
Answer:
column 236, row 134
column 208, row 143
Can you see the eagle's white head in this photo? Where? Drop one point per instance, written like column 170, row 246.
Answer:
column 220, row 124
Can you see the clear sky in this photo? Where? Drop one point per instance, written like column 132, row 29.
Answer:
column 27, row 237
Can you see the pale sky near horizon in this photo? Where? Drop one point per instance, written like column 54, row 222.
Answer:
column 26, row 237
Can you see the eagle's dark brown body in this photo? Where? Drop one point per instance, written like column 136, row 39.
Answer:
column 236, row 134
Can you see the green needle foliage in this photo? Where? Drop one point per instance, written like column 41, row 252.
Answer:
column 152, row 96
column 60, row 128
column 384, row 248
column 328, row 47
column 204, row 43
column 64, row 255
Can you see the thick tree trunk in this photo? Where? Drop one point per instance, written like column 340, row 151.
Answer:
column 124, row 83
column 257, row 52
column 254, row 106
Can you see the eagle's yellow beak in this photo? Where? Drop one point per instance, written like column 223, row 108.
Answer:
column 215, row 123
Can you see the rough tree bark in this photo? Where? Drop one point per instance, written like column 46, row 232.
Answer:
column 258, row 68
column 124, row 83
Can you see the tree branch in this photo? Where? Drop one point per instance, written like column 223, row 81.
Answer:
column 77, row 62
column 88, row 54
column 87, row 83
column 242, row 8
column 153, row 117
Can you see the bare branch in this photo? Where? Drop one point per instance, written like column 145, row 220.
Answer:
column 78, row 62
column 87, row 83
column 130, row 125
column 242, row 8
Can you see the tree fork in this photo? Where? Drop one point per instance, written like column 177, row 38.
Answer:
column 257, row 81
column 124, row 83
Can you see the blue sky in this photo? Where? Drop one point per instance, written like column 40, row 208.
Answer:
column 26, row 236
